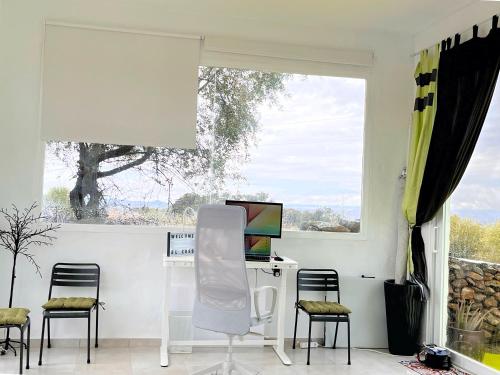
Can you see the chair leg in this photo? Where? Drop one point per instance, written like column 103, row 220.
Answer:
column 335, row 338
column 21, row 350
column 6, row 342
column 324, row 334
column 96, row 325
column 41, row 342
column 28, row 347
column 309, row 343
column 88, row 338
column 48, row 333
column 348, row 341
column 295, row 330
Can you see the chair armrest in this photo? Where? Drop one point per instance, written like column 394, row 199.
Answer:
column 268, row 314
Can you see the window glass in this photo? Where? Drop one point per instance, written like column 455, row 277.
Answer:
column 474, row 263
column 295, row 139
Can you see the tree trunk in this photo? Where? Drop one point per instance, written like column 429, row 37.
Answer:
column 85, row 198
column 12, row 279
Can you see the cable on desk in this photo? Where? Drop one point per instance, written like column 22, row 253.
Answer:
column 275, row 272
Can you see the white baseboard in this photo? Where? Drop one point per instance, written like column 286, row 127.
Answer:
column 130, row 342
column 103, row 343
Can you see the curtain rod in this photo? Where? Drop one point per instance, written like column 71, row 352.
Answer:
column 460, row 33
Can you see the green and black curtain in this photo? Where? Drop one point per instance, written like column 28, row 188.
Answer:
column 441, row 147
column 424, row 112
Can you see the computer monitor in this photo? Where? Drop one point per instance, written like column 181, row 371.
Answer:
column 263, row 218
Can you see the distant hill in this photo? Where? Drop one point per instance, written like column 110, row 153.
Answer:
column 136, row 204
column 349, row 212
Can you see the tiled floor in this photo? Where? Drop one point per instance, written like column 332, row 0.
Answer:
column 145, row 361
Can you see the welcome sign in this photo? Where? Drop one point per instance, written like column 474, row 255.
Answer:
column 180, row 244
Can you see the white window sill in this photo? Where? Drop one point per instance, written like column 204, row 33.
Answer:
column 160, row 230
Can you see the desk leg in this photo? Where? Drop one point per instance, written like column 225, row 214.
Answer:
column 280, row 347
column 165, row 315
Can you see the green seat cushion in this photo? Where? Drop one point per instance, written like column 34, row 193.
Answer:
column 322, row 307
column 70, row 303
column 13, row 315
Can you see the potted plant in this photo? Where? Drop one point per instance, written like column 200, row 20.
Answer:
column 20, row 232
column 464, row 333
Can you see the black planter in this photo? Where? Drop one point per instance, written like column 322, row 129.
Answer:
column 404, row 308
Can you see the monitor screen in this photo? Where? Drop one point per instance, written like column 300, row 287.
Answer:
column 263, row 218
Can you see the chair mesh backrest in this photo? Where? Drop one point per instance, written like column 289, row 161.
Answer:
column 75, row 275
column 220, row 258
column 318, row 280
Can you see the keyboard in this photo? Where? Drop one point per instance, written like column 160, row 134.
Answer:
column 258, row 258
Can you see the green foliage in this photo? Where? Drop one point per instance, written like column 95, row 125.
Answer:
column 465, row 237
column 191, row 200
column 468, row 319
column 472, row 240
column 492, row 243
column 320, row 219
column 194, row 201
column 58, row 196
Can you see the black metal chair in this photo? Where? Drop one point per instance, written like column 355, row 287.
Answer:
column 72, row 275
column 321, row 280
column 22, row 327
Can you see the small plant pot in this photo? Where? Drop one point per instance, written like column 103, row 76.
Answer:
column 469, row 343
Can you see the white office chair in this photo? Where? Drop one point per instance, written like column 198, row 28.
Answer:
column 222, row 301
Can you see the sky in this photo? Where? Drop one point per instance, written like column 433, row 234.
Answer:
column 309, row 149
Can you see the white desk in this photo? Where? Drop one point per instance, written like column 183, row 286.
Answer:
column 188, row 262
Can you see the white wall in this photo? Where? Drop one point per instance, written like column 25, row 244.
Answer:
column 131, row 259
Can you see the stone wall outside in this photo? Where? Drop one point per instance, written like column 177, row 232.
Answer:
column 477, row 283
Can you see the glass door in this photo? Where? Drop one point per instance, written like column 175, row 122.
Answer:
column 473, row 295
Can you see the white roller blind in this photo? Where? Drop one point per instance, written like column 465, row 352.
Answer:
column 288, row 51
column 119, row 87
column 287, row 58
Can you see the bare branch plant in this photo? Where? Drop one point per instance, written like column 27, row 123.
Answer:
column 21, row 231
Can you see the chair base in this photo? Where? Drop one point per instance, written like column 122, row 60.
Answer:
column 6, row 346
column 227, row 368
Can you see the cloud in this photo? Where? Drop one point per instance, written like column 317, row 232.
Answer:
column 479, row 188
column 310, row 147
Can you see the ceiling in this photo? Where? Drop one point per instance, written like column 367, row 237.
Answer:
column 405, row 16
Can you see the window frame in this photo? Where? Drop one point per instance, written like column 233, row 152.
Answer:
column 277, row 65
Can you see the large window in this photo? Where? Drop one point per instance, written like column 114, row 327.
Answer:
column 474, row 263
column 296, row 139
